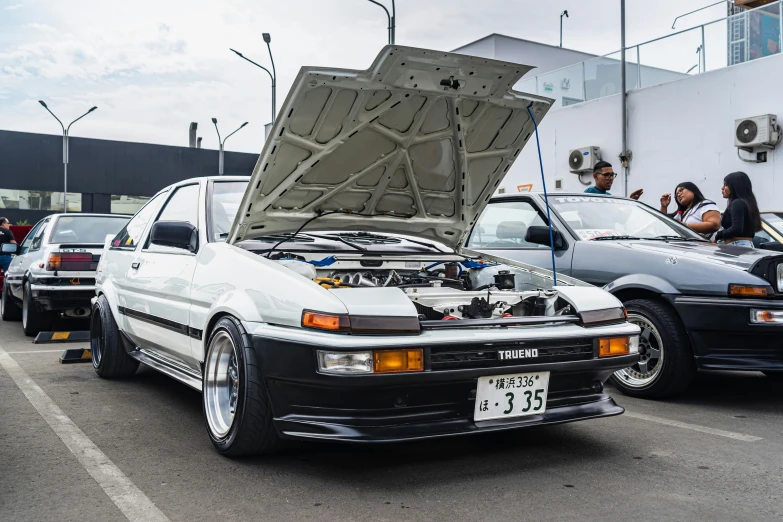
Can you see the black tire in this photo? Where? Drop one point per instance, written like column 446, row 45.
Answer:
column 108, row 351
column 776, row 376
column 252, row 431
column 9, row 310
column 677, row 366
column 34, row 321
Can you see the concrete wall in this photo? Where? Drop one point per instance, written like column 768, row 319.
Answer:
column 678, row 131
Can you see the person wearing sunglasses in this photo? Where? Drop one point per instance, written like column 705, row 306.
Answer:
column 604, row 175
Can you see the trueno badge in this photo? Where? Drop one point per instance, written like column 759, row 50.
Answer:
column 507, row 355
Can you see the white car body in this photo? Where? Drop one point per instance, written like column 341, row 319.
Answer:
column 444, row 166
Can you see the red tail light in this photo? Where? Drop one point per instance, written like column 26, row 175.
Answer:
column 70, row 262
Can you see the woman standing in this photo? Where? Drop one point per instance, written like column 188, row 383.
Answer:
column 693, row 209
column 741, row 220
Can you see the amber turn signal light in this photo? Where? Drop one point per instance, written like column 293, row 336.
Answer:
column 330, row 322
column 392, row 361
column 750, row 291
column 611, row 346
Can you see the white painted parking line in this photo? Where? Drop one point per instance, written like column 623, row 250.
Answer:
column 126, row 496
column 694, row 427
column 37, row 351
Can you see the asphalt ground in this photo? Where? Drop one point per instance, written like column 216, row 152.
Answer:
column 77, row 447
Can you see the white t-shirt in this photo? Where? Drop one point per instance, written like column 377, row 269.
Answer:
column 694, row 215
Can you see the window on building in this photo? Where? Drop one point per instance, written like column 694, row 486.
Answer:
column 39, row 200
column 121, row 204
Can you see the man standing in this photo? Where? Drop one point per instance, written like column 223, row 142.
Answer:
column 6, row 236
column 604, row 175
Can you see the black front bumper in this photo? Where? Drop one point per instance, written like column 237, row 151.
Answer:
column 723, row 338
column 402, row 407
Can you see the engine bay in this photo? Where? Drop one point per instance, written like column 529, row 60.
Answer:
column 456, row 288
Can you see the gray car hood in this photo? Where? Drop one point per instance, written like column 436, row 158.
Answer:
column 416, row 145
column 724, row 255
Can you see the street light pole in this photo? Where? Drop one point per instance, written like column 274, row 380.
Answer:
column 268, row 39
column 223, row 142
column 271, row 77
column 564, row 13
column 392, row 28
column 66, row 130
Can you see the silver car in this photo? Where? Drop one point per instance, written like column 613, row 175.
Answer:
column 53, row 271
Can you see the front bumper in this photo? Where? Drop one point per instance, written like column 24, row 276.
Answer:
column 723, row 338
column 402, row 407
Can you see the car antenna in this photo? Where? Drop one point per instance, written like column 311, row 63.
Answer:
column 546, row 198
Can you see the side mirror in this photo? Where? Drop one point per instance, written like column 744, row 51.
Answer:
column 175, row 234
column 769, row 245
column 540, row 236
column 9, row 248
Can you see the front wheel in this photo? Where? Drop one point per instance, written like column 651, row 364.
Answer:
column 34, row 321
column 666, row 366
column 236, row 404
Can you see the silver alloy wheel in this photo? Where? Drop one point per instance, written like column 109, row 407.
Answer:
column 25, row 306
column 651, row 350
column 221, row 384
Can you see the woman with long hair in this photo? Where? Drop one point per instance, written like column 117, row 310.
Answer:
column 742, row 219
column 693, row 209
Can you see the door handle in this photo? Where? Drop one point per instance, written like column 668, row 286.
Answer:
column 135, row 265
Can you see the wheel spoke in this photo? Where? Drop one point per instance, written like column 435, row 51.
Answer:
column 643, row 366
column 646, row 332
column 654, row 353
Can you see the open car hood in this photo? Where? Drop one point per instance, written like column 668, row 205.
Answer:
column 416, row 144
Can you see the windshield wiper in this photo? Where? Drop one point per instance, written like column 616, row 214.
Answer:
column 677, row 238
column 337, row 238
column 615, row 238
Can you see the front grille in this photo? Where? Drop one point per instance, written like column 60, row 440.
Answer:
column 487, row 356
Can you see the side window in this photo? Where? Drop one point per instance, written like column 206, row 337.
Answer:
column 38, row 239
column 503, row 225
column 181, row 206
column 29, row 239
column 130, row 236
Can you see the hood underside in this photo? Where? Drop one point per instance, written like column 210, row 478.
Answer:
column 416, row 144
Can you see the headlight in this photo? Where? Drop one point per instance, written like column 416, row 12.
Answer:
column 766, row 316
column 779, row 274
column 344, row 363
column 611, row 315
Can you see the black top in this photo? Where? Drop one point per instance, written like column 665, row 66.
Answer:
column 736, row 222
column 6, row 236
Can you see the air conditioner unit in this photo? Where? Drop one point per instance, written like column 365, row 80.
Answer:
column 759, row 131
column 584, row 159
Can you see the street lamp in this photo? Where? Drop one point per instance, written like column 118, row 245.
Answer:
column 223, row 142
column 564, row 13
column 65, row 150
column 272, row 75
column 392, row 18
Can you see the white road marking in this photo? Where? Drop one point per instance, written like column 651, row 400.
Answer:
column 40, row 351
column 126, row 496
column 694, row 427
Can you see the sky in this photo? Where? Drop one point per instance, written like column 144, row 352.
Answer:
column 151, row 68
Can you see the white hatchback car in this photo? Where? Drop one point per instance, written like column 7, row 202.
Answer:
column 372, row 326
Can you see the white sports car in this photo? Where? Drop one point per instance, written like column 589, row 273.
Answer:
column 373, row 325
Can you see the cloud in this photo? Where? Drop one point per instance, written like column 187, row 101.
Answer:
column 14, row 7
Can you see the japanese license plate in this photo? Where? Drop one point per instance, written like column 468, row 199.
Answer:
column 514, row 395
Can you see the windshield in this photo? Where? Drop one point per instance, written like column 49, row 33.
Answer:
column 226, row 198
column 594, row 217
column 774, row 219
column 86, row 229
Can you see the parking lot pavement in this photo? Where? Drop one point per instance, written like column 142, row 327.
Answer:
column 714, row 454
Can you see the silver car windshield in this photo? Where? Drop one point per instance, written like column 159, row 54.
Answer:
column 592, row 217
